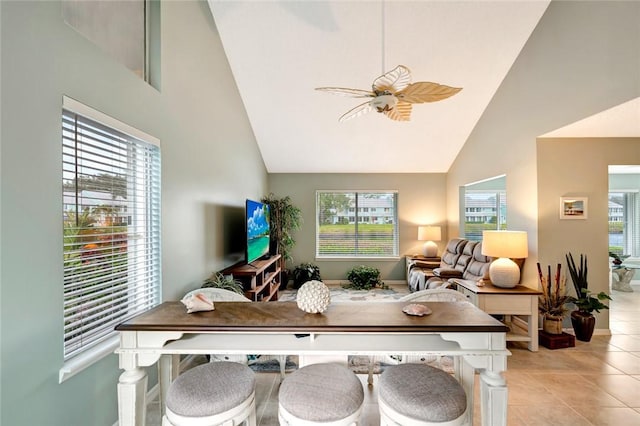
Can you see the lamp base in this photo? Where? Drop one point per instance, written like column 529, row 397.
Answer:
column 430, row 249
column 504, row 273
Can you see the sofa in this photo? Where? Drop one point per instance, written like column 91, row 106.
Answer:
column 461, row 258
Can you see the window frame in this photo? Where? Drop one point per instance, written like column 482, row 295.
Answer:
column 355, row 215
column 145, row 255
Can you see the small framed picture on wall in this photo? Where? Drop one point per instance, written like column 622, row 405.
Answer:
column 573, row 207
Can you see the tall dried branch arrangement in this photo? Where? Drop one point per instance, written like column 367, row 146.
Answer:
column 554, row 293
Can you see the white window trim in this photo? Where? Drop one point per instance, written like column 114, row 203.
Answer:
column 81, row 109
column 87, row 358
column 350, row 258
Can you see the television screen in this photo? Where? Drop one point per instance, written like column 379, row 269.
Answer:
column 257, row 215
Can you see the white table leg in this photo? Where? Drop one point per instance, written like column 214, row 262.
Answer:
column 168, row 370
column 532, row 326
column 493, row 398
column 132, row 389
column 465, row 373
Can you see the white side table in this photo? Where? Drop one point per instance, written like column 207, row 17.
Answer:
column 513, row 303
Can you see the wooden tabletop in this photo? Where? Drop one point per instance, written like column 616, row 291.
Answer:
column 361, row 317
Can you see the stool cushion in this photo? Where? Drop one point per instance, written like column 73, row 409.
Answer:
column 422, row 392
column 321, row 393
column 210, row 389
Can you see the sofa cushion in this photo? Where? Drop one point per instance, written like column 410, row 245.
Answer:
column 447, row 273
column 466, row 256
column 452, row 252
column 478, row 267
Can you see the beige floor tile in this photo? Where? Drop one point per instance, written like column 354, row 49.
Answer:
column 608, row 416
column 575, row 390
column 546, row 415
column 622, row 387
column 626, row 342
column 525, row 391
column 624, row 361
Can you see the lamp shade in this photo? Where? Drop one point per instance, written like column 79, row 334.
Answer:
column 511, row 244
column 504, row 245
column 429, row 233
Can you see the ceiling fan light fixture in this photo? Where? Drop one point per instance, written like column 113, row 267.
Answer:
column 392, row 94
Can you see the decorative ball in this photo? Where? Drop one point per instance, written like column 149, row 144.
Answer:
column 313, row 297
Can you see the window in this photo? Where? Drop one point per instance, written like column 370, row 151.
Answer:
column 346, row 228
column 129, row 31
column 111, row 224
column 483, row 207
column 624, row 225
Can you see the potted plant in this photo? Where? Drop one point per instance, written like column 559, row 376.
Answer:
column 226, row 282
column 364, row 278
column 285, row 218
column 617, row 259
column 305, row 272
column 552, row 302
column 582, row 318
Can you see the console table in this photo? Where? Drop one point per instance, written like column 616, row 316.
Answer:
column 278, row 328
column 520, row 300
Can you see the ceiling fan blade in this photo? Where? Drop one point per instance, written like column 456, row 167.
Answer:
column 425, row 91
column 393, row 81
column 402, row 112
column 357, row 111
column 344, row 91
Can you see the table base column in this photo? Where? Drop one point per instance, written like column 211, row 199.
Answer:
column 132, row 389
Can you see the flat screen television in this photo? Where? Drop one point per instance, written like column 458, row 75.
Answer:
column 257, row 227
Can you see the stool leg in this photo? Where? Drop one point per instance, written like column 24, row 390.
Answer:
column 252, row 420
column 168, row 370
column 283, row 364
column 370, row 377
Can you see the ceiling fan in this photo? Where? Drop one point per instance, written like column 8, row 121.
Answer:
column 393, row 94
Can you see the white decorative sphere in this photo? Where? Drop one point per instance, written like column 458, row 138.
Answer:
column 313, row 297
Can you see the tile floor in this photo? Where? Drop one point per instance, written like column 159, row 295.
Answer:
column 595, row 383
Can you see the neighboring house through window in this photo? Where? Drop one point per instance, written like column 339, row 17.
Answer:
column 483, row 207
column 356, row 224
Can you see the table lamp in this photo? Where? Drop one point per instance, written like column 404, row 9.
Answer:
column 429, row 234
column 503, row 245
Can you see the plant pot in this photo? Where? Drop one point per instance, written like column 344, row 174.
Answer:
column 552, row 324
column 284, row 279
column 583, row 325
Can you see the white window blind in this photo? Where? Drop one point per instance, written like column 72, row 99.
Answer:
column 356, row 224
column 111, row 219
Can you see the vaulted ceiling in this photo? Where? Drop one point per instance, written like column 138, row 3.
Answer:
column 280, row 51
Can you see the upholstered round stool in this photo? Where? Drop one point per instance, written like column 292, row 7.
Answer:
column 212, row 394
column 320, row 394
column 420, row 395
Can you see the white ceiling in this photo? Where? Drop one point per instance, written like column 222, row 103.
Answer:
column 279, row 51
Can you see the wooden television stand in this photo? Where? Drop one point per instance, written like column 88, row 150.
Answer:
column 260, row 278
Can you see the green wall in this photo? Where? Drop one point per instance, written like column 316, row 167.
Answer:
column 421, row 201
column 210, row 164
